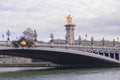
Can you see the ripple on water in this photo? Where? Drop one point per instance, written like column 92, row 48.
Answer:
column 76, row 74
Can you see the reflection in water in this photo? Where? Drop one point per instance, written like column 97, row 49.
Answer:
column 61, row 74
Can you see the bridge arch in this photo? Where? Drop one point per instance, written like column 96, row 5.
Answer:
column 62, row 56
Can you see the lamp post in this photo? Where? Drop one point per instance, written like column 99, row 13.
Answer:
column 114, row 43
column 103, row 42
column 86, row 39
column 79, row 40
column 8, row 34
column 92, row 41
column 35, row 35
column 52, row 38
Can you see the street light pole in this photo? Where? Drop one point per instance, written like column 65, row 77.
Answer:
column 92, row 41
column 52, row 39
column 86, row 39
column 8, row 34
column 114, row 43
column 35, row 35
column 103, row 42
column 80, row 40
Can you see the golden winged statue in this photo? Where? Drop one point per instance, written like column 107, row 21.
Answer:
column 69, row 19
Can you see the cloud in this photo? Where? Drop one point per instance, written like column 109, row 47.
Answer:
column 95, row 17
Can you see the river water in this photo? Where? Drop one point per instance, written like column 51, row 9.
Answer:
column 17, row 73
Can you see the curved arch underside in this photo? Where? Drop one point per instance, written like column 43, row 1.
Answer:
column 60, row 57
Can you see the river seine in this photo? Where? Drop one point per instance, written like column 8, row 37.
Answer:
column 30, row 73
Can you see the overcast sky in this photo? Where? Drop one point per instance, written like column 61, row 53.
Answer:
column 98, row 18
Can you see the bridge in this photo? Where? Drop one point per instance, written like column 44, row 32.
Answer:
column 67, row 53
column 64, row 54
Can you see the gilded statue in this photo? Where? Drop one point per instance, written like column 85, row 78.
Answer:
column 69, row 19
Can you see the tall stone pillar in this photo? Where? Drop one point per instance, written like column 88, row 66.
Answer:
column 70, row 33
column 69, row 30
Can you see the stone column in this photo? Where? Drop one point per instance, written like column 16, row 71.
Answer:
column 70, row 33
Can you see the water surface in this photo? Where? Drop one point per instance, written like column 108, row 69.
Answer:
column 60, row 74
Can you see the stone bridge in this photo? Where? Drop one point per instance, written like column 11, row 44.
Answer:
column 72, row 55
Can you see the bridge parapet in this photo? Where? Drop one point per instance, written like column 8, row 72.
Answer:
column 73, row 47
column 77, row 47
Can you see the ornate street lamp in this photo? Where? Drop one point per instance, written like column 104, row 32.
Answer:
column 92, row 41
column 86, row 39
column 79, row 40
column 35, row 35
column 114, row 42
column 52, row 38
column 8, row 34
column 103, row 42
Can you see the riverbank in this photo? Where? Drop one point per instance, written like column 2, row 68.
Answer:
column 53, row 65
column 30, row 65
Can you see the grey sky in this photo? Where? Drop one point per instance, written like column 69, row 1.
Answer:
column 99, row 18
